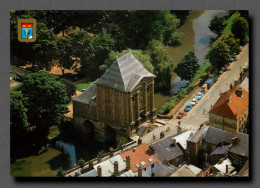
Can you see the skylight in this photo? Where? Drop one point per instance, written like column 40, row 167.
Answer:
column 143, row 163
column 150, row 159
column 137, row 165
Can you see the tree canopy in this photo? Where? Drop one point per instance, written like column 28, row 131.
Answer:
column 240, row 29
column 187, row 67
column 219, row 54
column 47, row 99
column 162, row 65
column 217, row 24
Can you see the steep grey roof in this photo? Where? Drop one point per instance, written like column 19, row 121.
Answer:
column 196, row 136
column 166, row 149
column 221, row 150
column 215, row 136
column 124, row 74
column 88, row 96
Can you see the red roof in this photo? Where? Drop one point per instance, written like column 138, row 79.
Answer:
column 236, row 105
column 142, row 154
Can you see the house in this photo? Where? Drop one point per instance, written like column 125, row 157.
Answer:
column 223, row 167
column 230, row 112
column 187, row 170
column 238, row 144
column 167, row 151
column 141, row 157
column 194, row 144
column 218, row 153
column 118, row 102
column 114, row 167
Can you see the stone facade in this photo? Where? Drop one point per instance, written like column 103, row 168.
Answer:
column 114, row 106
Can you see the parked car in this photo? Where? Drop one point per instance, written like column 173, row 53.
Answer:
column 188, row 107
column 194, row 101
column 180, row 115
column 199, row 95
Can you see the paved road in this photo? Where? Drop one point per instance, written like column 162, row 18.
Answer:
column 199, row 113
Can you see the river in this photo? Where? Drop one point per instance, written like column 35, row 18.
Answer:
column 196, row 38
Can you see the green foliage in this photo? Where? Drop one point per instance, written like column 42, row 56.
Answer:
column 175, row 39
column 47, row 99
column 161, row 63
column 81, row 163
column 139, row 54
column 187, row 67
column 240, row 29
column 219, row 54
column 101, row 154
column 184, row 91
column 70, row 87
column 122, row 144
column 18, row 113
column 230, row 23
column 217, row 24
column 181, row 14
column 60, row 172
column 63, row 53
column 232, row 43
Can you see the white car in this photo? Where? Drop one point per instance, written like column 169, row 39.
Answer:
column 194, row 101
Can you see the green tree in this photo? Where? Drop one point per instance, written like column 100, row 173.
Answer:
column 175, row 39
column 81, row 163
column 84, row 52
column 187, row 67
column 20, row 127
column 142, row 57
column 70, row 87
column 47, row 101
column 42, row 49
column 63, row 53
column 232, row 43
column 162, row 65
column 240, row 29
column 217, row 24
column 60, row 172
column 219, row 54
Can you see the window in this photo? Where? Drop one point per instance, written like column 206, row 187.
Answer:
column 145, row 169
column 152, row 165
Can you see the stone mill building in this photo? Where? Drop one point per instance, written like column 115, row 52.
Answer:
column 118, row 102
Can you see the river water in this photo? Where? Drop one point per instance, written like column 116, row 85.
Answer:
column 196, row 38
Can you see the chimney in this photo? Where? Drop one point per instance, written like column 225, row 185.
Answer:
column 134, row 150
column 116, row 168
column 90, row 165
column 151, row 149
column 228, row 100
column 111, row 151
column 161, row 135
column 99, row 171
column 220, row 160
column 179, row 130
column 231, row 85
column 127, row 163
column 174, row 140
column 188, row 161
column 226, row 156
column 139, row 172
column 226, row 169
column 239, row 92
column 140, row 140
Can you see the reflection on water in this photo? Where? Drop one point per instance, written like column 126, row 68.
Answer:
column 196, row 38
column 68, row 149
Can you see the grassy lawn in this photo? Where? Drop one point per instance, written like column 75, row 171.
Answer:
column 83, row 85
column 230, row 22
column 35, row 165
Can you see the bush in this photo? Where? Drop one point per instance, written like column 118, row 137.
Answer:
column 175, row 39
